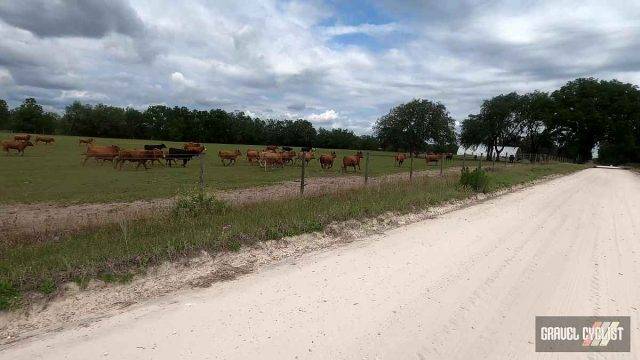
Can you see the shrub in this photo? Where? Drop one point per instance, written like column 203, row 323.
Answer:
column 9, row 296
column 198, row 204
column 478, row 180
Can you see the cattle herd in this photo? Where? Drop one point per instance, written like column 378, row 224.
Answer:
column 20, row 142
column 150, row 154
column 272, row 156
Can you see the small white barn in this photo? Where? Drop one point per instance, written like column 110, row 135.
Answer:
column 481, row 150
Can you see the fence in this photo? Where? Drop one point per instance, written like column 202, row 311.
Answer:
column 441, row 161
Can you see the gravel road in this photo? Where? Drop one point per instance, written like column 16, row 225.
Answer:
column 465, row 285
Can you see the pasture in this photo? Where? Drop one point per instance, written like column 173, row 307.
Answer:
column 54, row 173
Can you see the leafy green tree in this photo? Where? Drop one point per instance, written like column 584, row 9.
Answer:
column 368, row 142
column 5, row 115
column 78, row 120
column 580, row 121
column 414, row 125
column 536, row 111
column 496, row 126
column 30, row 118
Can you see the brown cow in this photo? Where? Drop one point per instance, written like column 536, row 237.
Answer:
column 253, row 156
column 272, row 147
column 400, row 158
column 269, row 158
column 306, row 156
column 353, row 161
column 138, row 156
column 101, row 153
column 288, row 156
column 432, row 157
column 191, row 144
column 88, row 141
column 45, row 139
column 326, row 160
column 16, row 145
column 22, row 137
column 195, row 149
column 156, row 155
column 231, row 156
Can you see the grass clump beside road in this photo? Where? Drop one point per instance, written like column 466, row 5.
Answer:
column 200, row 223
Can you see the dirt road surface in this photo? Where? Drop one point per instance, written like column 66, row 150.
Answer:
column 465, row 285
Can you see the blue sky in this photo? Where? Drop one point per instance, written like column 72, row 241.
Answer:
column 336, row 63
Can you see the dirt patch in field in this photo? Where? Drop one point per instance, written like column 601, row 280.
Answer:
column 72, row 306
column 42, row 222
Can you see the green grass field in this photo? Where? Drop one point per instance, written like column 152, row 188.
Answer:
column 53, row 173
column 117, row 251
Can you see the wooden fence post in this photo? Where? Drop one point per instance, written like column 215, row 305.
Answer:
column 411, row 166
column 304, row 164
column 366, row 169
column 201, row 173
column 442, row 157
column 464, row 158
column 480, row 161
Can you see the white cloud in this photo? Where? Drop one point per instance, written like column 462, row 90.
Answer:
column 5, row 77
column 283, row 59
column 327, row 116
column 179, row 79
column 367, row 29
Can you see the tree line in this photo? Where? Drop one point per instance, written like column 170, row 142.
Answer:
column 583, row 114
column 176, row 124
column 569, row 122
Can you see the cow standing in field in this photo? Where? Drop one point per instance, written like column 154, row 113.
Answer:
column 449, row 156
column 352, row 161
column 45, row 139
column 88, row 141
column 138, row 156
column 272, row 148
column 288, row 156
column 22, row 137
column 431, row 157
column 178, row 154
column 400, row 158
column 101, row 153
column 253, row 156
column 272, row 159
column 230, row 156
column 306, row 156
column 16, row 145
column 196, row 149
column 326, row 160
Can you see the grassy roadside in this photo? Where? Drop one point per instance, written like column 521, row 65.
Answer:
column 117, row 251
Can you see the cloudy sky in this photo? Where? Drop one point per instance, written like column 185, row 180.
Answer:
column 336, row 63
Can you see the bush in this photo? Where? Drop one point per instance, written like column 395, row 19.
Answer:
column 478, row 180
column 198, row 204
column 9, row 296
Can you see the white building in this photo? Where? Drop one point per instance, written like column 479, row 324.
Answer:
column 481, row 150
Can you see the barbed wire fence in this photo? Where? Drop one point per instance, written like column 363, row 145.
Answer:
column 368, row 157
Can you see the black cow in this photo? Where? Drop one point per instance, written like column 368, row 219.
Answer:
column 179, row 154
column 306, row 149
column 155, row 146
column 286, row 148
